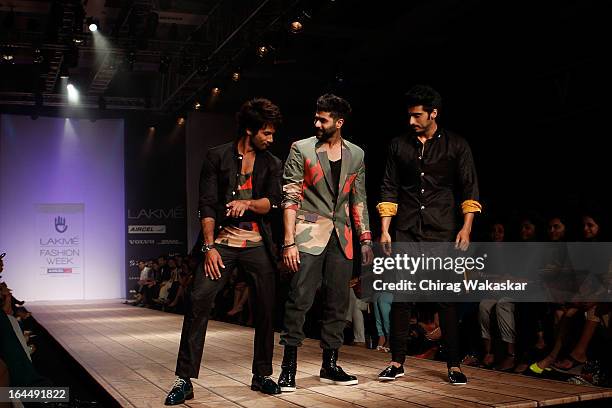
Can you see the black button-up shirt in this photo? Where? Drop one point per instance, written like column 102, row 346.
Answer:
column 425, row 180
column 218, row 183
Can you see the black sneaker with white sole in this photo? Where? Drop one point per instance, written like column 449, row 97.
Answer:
column 391, row 373
column 337, row 376
column 333, row 374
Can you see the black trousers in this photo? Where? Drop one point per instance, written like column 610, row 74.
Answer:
column 401, row 311
column 331, row 271
column 200, row 298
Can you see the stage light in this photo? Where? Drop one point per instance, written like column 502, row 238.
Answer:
column 197, row 105
column 73, row 93
column 8, row 57
column 92, row 24
column 262, row 51
column 296, row 27
column 216, row 91
column 64, row 72
column 236, row 76
column 180, row 121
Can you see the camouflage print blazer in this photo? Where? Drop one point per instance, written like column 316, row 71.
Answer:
column 307, row 188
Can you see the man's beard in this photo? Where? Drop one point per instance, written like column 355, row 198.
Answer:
column 323, row 134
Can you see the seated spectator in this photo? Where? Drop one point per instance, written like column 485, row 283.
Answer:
column 177, row 304
column 529, row 316
column 503, row 309
column 354, row 314
column 14, row 351
column 145, row 282
column 577, row 357
column 382, row 302
column 169, row 277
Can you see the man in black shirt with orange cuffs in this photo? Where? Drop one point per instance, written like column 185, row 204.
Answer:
column 424, row 172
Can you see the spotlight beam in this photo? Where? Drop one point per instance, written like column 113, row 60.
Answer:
column 73, row 93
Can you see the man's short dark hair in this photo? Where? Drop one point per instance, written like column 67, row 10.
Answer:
column 257, row 113
column 423, row 95
column 337, row 107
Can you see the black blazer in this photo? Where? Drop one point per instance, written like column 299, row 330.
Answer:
column 218, row 187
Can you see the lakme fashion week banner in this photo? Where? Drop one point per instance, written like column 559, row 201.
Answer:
column 60, row 237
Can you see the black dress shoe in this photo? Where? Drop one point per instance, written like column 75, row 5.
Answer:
column 457, row 378
column 181, row 390
column 333, row 374
column 264, row 384
column 391, row 373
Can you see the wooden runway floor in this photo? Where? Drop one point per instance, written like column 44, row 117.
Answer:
column 131, row 352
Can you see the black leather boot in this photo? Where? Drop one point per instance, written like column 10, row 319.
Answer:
column 286, row 380
column 333, row 374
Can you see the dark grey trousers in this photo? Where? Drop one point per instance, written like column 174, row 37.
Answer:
column 331, row 271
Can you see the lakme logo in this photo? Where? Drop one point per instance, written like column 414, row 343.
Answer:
column 157, row 213
column 60, row 224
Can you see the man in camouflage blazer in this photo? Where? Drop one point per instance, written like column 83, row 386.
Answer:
column 324, row 198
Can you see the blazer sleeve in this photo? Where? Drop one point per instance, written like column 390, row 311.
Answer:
column 359, row 205
column 293, row 178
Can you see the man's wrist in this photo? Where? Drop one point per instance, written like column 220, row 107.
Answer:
column 207, row 247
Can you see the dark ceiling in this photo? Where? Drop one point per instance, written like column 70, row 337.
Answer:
column 166, row 55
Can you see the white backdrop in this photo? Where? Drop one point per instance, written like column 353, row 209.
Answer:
column 62, row 220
